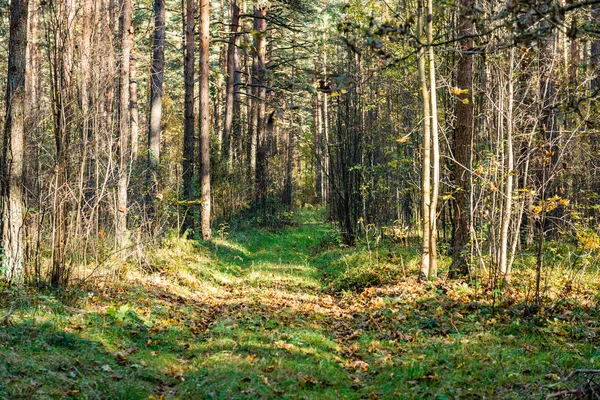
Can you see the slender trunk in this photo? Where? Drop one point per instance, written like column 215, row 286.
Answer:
column 13, row 146
column 123, row 153
column 253, row 105
column 289, row 175
column 188, row 124
column 204, row 108
column 157, row 71
column 230, row 88
column 64, row 108
column 135, row 113
column 508, row 155
column 433, row 265
column 260, row 26
column 318, row 126
column 325, row 121
column 426, row 176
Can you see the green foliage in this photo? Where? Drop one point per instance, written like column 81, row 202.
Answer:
column 256, row 314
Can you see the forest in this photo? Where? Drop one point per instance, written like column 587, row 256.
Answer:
column 347, row 199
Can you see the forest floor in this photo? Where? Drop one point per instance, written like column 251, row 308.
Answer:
column 291, row 314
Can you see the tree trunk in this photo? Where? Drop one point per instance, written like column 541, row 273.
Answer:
column 188, row 124
column 13, row 146
column 63, row 114
column 260, row 27
column 433, row 265
column 135, row 113
column 463, row 143
column 318, row 126
column 508, row 156
column 230, row 88
column 204, row 108
column 123, row 153
column 157, row 71
column 426, row 175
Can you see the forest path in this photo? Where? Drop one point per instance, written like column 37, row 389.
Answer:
column 275, row 327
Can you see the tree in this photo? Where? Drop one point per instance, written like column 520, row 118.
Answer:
column 430, row 142
column 123, row 133
column 157, row 71
column 259, row 69
column 189, row 115
column 13, row 146
column 230, row 87
column 463, row 141
column 204, row 108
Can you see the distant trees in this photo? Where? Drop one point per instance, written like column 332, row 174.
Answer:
column 298, row 103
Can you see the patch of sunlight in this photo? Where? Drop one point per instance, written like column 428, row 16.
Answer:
column 259, row 276
column 230, row 246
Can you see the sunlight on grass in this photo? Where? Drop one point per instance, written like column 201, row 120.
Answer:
column 293, row 314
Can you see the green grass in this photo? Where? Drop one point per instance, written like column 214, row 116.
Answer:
column 289, row 314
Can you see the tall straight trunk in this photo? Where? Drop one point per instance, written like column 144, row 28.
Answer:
column 433, row 265
column 508, row 156
column 318, row 126
column 108, row 27
column 86, row 66
column 463, row 142
column 13, row 146
column 220, row 98
column 426, row 169
column 32, row 175
column 204, row 69
column 289, row 174
column 157, row 71
column 325, row 194
column 188, row 124
column 123, row 154
column 253, row 113
column 230, row 87
column 63, row 114
column 237, row 140
column 260, row 26
column 135, row 113
column 595, row 53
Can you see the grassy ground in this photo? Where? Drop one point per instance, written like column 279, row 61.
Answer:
column 290, row 314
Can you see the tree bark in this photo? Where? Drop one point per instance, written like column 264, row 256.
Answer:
column 188, row 124
column 123, row 137
column 318, row 127
column 508, row 156
column 463, row 143
column 63, row 120
column 433, row 265
column 426, row 169
column 135, row 113
column 157, row 71
column 230, row 88
column 204, row 109
column 13, row 146
column 260, row 27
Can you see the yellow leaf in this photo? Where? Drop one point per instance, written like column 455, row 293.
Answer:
column 403, row 139
column 465, row 101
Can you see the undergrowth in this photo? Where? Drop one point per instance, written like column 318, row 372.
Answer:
column 292, row 313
